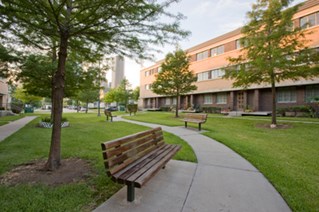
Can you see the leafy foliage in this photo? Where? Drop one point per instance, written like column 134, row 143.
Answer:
column 6, row 57
column 175, row 78
column 273, row 49
column 88, row 28
column 23, row 96
column 122, row 94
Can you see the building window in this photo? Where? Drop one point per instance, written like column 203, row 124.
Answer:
column 167, row 101
column 312, row 92
column 202, row 55
column 218, row 73
column 159, row 69
column 203, row 76
column 238, row 44
column 174, row 100
column 217, row 50
column 208, row 99
column 309, row 20
column 221, row 98
column 286, row 95
column 147, row 73
column 147, row 86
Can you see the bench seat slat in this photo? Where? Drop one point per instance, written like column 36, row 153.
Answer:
column 153, row 160
column 156, row 167
column 139, row 166
column 115, row 167
column 194, row 120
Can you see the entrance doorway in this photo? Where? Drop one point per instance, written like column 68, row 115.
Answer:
column 240, row 101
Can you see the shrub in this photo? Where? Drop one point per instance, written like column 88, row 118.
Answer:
column 281, row 111
column 211, row 109
column 48, row 119
column 2, row 108
column 165, row 108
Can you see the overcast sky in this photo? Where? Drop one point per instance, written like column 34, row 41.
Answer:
column 206, row 19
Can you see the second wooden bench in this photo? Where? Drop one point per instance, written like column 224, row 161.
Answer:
column 199, row 118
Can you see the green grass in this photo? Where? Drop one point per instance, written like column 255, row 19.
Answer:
column 164, row 118
column 289, row 158
column 81, row 140
column 6, row 119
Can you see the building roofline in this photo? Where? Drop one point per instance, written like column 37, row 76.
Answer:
column 303, row 6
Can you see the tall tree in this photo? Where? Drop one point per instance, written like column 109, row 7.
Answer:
column 135, row 95
column 175, row 79
column 273, row 49
column 112, row 26
column 121, row 94
column 90, row 85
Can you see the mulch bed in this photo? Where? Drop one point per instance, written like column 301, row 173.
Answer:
column 72, row 170
column 279, row 126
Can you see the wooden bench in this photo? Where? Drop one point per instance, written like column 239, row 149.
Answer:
column 108, row 114
column 199, row 118
column 135, row 159
column 132, row 109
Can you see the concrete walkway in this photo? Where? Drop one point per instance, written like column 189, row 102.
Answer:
column 8, row 129
column 221, row 181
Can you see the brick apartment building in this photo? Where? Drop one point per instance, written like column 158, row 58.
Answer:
column 208, row 60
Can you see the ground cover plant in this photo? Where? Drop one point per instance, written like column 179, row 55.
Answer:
column 287, row 157
column 79, row 141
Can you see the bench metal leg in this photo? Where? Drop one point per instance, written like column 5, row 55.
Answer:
column 199, row 126
column 185, row 124
column 130, row 192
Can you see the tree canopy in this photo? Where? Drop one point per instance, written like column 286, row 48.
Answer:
column 23, row 96
column 175, row 78
column 122, row 27
column 273, row 49
column 122, row 94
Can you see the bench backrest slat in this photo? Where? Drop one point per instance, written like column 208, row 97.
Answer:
column 198, row 116
column 119, row 153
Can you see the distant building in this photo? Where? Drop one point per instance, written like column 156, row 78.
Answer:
column 116, row 67
column 208, row 60
column 117, row 71
column 4, row 94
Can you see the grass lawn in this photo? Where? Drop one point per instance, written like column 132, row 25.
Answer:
column 81, row 140
column 6, row 119
column 289, row 158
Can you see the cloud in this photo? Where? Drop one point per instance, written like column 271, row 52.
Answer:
column 208, row 8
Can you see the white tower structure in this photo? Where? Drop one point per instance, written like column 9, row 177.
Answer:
column 117, row 71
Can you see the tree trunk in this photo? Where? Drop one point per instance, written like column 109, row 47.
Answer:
column 177, row 103
column 54, row 58
column 87, row 106
column 54, row 160
column 273, row 114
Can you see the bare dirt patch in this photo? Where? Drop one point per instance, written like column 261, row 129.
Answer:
column 72, row 170
column 279, row 126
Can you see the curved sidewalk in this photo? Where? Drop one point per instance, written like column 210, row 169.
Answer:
column 221, row 181
column 8, row 129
